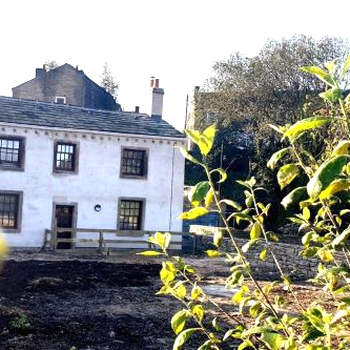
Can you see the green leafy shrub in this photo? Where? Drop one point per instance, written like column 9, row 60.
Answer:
column 321, row 207
column 20, row 322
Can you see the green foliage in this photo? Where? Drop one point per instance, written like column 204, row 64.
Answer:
column 286, row 174
column 20, row 322
column 203, row 140
column 325, row 174
column 245, row 94
column 323, row 219
column 297, row 129
column 276, row 157
column 294, row 197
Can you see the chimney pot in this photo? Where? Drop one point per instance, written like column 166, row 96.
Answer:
column 137, row 109
column 157, row 83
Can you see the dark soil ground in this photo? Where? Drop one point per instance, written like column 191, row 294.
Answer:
column 76, row 304
column 57, row 302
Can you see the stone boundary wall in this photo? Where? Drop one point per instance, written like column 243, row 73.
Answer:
column 288, row 255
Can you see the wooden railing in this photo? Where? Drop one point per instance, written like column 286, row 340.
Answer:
column 106, row 238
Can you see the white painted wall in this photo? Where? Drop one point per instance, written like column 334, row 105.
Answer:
column 97, row 182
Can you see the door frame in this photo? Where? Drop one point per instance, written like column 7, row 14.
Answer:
column 74, row 219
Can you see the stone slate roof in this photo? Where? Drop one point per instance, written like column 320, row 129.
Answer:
column 20, row 111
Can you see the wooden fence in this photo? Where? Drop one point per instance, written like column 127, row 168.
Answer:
column 106, row 239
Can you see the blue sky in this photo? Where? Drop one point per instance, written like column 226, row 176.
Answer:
column 176, row 41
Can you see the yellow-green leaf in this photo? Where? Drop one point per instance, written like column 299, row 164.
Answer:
column 150, row 253
column 320, row 74
column 198, row 311
column 248, row 245
column 345, row 68
column 161, row 239
column 240, row 217
column 330, row 66
column 181, row 291
column 277, row 128
column 183, row 337
column 212, row 253
column 246, row 344
column 335, row 187
column 255, row 232
column 332, row 95
column 262, row 254
column 178, row 321
column 168, row 272
column 273, row 340
column 222, row 173
column 198, row 192
column 343, row 147
column 194, row 135
column 203, row 140
column 276, row 157
column 217, row 238
column 196, row 292
column 3, row 247
column 207, row 139
column 306, row 213
column 231, row 203
column 189, row 157
column 341, row 238
column 238, row 297
column 306, row 124
column 286, row 174
column 325, row 174
column 194, row 213
column 325, row 255
column 293, row 197
column 209, row 198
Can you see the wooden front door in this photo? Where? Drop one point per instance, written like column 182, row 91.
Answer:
column 64, row 219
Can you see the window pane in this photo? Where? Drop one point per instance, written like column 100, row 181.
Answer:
column 8, row 210
column 10, row 152
column 130, row 215
column 133, row 162
column 65, row 154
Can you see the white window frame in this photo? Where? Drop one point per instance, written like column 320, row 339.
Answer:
column 64, row 99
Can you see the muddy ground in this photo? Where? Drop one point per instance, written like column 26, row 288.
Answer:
column 82, row 304
column 51, row 302
column 57, row 302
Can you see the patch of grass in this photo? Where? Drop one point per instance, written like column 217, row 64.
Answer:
column 20, row 322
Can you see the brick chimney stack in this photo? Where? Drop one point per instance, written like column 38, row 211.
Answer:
column 39, row 72
column 157, row 99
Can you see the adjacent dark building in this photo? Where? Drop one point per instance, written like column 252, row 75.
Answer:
column 66, row 85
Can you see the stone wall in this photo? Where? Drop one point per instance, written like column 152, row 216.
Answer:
column 288, row 255
column 69, row 82
column 97, row 98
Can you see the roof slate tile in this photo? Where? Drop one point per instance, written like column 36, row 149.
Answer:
column 19, row 111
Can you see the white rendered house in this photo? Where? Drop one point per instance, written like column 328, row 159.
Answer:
column 77, row 167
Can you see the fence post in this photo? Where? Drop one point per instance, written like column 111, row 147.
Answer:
column 54, row 238
column 100, row 242
column 194, row 246
column 149, row 243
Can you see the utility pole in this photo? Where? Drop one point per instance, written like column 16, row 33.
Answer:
column 186, row 113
